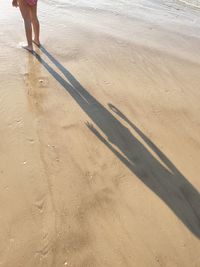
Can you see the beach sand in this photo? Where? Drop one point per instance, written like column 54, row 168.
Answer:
column 100, row 136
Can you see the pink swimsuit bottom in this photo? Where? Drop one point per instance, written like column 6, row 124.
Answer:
column 31, row 2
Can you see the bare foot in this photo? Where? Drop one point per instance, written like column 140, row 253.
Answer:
column 36, row 42
column 29, row 48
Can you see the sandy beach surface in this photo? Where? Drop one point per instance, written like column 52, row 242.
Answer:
column 100, row 136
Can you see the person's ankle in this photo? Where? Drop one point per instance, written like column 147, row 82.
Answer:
column 36, row 40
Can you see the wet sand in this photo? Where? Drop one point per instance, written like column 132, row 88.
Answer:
column 100, row 142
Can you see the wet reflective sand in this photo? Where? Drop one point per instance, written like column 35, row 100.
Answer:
column 100, row 143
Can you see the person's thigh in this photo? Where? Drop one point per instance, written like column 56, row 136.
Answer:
column 33, row 12
column 25, row 9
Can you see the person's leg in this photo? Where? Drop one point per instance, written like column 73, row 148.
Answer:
column 36, row 24
column 25, row 11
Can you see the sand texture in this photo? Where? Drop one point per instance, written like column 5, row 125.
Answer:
column 100, row 136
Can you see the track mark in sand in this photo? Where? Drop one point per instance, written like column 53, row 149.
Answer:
column 69, row 126
column 43, row 82
column 46, row 246
column 46, row 205
column 40, row 204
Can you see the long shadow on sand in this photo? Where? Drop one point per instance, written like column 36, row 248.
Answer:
column 166, row 182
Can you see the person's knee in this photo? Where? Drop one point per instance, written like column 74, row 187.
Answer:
column 34, row 20
column 27, row 20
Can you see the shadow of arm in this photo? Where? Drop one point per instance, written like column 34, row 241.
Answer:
column 160, row 154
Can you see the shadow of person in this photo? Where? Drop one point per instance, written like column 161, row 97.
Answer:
column 163, row 179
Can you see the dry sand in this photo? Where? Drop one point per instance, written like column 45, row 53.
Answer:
column 100, row 138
